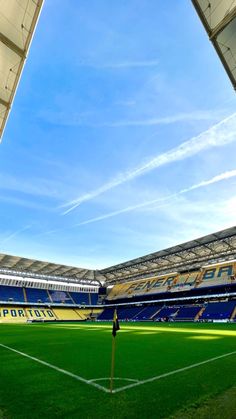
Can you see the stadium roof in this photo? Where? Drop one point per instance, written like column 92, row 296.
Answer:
column 212, row 248
column 45, row 270
column 18, row 20
column 217, row 247
column 219, row 20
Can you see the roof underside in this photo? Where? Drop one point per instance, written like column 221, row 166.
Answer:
column 30, row 268
column 18, row 19
column 190, row 255
column 217, row 247
column 219, row 20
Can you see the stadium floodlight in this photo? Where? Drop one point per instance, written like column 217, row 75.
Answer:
column 219, row 20
column 18, row 20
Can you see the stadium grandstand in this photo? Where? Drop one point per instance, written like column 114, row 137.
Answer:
column 177, row 306
column 18, row 20
column 193, row 281
column 219, row 20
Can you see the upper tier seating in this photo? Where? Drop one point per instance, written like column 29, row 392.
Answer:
column 94, row 298
column 38, row 295
column 34, row 295
column 80, row 298
column 217, row 275
column 185, row 282
column 218, row 311
column 8, row 293
column 60, row 297
column 151, row 288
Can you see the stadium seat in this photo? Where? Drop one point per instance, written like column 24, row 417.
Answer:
column 34, row 295
column 66, row 314
column 60, row 297
column 40, row 314
column 80, row 298
column 188, row 313
column 167, row 313
column 147, row 313
column 218, row 311
column 12, row 315
column 10, row 293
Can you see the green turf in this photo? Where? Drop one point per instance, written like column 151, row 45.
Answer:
column 218, row 407
column 31, row 390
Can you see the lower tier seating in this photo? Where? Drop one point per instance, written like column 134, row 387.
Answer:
column 66, row 314
column 107, row 314
column 218, row 311
column 188, row 313
column 167, row 313
column 206, row 312
column 23, row 314
column 12, row 315
column 129, row 312
column 35, row 313
column 147, row 313
column 211, row 311
column 19, row 314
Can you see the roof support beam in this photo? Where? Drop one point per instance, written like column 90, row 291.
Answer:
column 12, row 46
column 222, row 25
column 4, row 103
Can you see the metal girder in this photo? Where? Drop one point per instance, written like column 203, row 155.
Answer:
column 188, row 255
column 11, row 45
column 211, row 248
column 215, row 32
column 222, row 25
column 4, row 103
column 6, row 41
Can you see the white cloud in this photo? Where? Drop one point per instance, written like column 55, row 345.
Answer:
column 223, row 176
column 31, row 186
column 122, row 64
column 218, row 135
column 14, row 234
column 165, row 120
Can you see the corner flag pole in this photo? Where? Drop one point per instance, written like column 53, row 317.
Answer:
column 112, row 362
column 115, row 327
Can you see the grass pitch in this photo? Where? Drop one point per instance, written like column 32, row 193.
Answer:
column 160, row 370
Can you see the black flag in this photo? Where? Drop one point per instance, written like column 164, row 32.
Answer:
column 116, row 325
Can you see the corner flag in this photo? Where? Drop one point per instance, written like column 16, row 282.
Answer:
column 116, row 325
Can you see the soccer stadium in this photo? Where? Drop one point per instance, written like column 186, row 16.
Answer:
column 150, row 336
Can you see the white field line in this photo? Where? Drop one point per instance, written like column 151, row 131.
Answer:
column 135, row 384
column 158, row 377
column 70, row 374
column 155, row 328
column 114, row 378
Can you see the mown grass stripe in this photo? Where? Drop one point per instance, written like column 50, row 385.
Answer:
column 54, row 367
column 167, row 374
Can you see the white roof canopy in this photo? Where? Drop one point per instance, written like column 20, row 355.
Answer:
column 219, row 20
column 18, row 19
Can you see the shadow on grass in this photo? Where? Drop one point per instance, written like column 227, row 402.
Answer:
column 220, row 406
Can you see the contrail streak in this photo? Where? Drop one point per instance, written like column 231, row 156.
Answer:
column 218, row 135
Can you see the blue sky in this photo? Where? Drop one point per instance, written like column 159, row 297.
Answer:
column 122, row 137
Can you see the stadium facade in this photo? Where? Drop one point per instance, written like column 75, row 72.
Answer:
column 193, row 281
